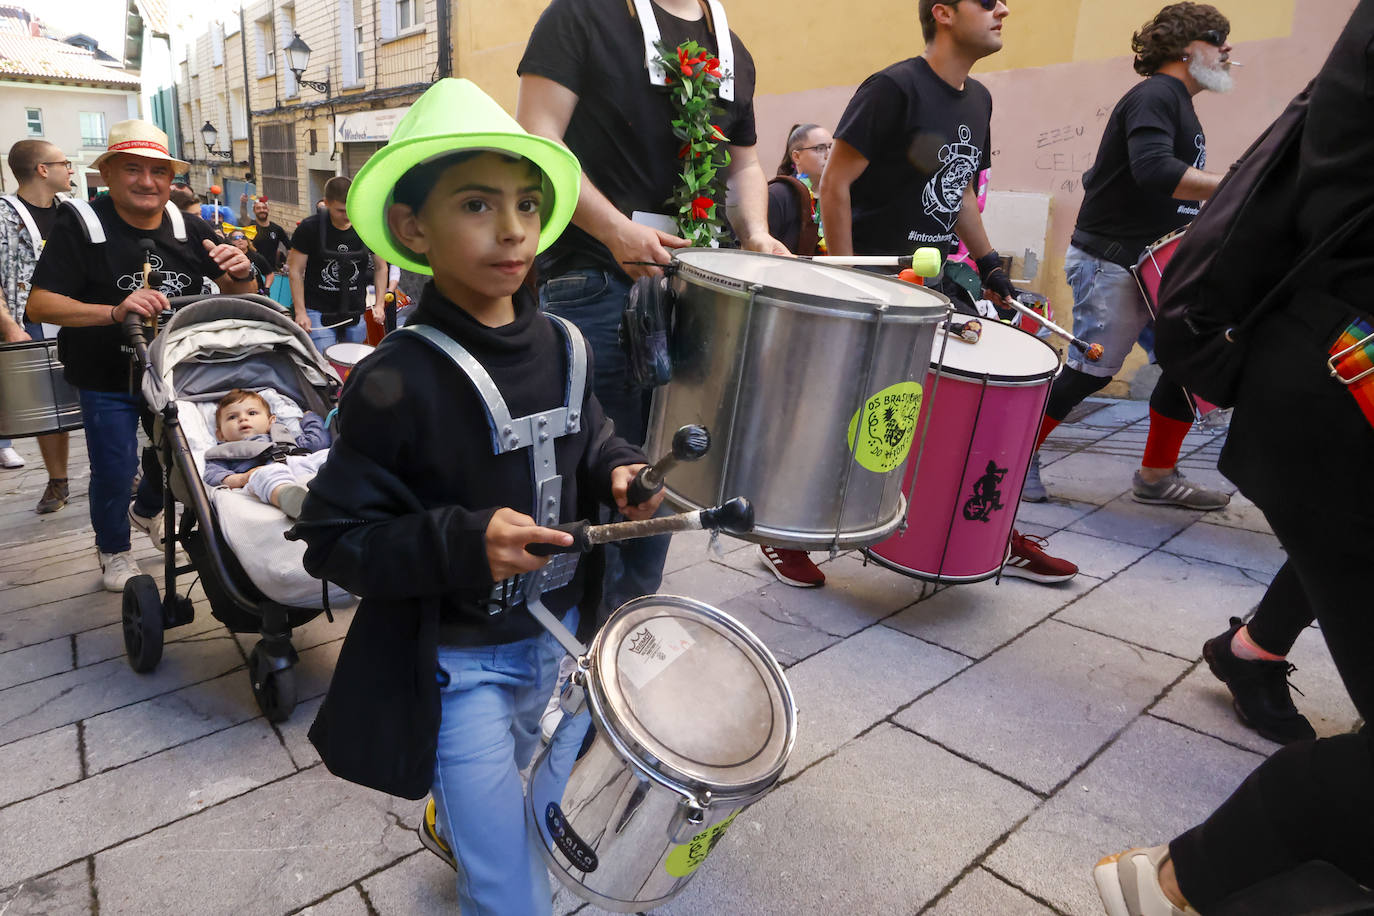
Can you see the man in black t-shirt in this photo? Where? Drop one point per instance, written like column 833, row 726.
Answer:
column 89, row 287
column 585, row 81
column 329, row 267
column 271, row 241
column 26, row 218
column 1146, row 181
column 903, row 175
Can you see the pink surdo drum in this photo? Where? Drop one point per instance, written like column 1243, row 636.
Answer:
column 1149, row 272
column 964, row 487
column 344, row 356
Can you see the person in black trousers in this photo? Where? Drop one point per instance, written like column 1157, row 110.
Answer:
column 1300, row 447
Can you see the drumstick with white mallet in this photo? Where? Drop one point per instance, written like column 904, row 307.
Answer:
column 690, row 442
column 1091, row 352
column 735, row 516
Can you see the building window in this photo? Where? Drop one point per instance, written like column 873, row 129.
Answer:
column 358, row 53
column 34, row 116
column 267, row 48
column 405, row 15
column 277, row 143
column 238, row 114
column 93, row 129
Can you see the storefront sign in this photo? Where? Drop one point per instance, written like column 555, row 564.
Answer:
column 367, row 126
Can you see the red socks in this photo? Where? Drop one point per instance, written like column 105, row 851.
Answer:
column 1165, row 441
column 1047, row 426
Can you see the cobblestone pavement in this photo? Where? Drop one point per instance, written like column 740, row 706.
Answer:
column 968, row 750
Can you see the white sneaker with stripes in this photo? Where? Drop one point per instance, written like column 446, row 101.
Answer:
column 1175, row 490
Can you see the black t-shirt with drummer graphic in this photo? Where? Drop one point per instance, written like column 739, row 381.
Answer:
column 925, row 142
column 106, row 274
column 334, row 285
column 621, row 129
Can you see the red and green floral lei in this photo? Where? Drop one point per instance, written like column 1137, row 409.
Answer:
column 694, row 77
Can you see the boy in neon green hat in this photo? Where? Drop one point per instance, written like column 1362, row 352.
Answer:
column 460, row 439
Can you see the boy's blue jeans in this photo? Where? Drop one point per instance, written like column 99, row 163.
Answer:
column 594, row 301
column 491, row 701
column 111, row 422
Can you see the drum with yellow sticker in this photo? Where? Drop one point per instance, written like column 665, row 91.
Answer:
column 676, row 719
column 809, row 378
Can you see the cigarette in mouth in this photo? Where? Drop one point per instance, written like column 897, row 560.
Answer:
column 1234, row 63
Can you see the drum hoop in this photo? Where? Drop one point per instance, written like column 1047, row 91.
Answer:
column 665, row 773
column 804, row 301
column 995, row 380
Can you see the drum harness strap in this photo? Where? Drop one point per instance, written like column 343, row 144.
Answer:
column 537, row 433
column 95, row 233
column 643, row 10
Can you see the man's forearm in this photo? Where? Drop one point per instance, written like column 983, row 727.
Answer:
column 837, row 218
column 1196, row 185
column 53, row 308
column 297, row 290
column 969, row 226
column 595, row 214
column 748, row 201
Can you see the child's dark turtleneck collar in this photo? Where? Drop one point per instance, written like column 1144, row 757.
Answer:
column 437, row 310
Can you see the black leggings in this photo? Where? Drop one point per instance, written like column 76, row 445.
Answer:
column 1072, row 386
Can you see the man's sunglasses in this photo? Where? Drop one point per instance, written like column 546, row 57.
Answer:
column 1213, row 37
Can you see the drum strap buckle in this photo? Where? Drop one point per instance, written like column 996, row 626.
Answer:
column 1353, row 345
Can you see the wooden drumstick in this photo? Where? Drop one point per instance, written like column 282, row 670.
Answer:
column 735, row 515
column 925, row 262
column 1091, row 352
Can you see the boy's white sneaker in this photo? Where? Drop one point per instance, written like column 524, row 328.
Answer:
column 10, row 459
column 116, row 569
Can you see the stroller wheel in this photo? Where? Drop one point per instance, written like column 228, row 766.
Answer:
column 142, row 618
column 273, row 687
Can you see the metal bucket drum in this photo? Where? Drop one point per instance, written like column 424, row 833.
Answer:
column 34, row 397
column 344, row 356
column 964, row 489
column 808, row 378
column 690, row 719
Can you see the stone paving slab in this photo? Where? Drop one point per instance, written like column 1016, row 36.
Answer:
column 27, row 626
column 975, row 619
column 1168, row 603
column 1096, row 557
column 1156, row 781
column 1129, row 522
column 1056, row 513
column 983, row 892
column 65, row 698
column 30, row 663
column 1089, row 478
column 846, row 837
column 722, row 584
column 64, row 892
column 36, row 837
column 347, row 902
column 103, row 643
column 419, row 883
column 797, row 622
column 854, row 684
column 1254, row 550
column 35, row 765
column 1241, row 513
column 1039, row 708
column 283, row 846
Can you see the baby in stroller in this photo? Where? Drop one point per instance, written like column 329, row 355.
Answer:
column 260, row 455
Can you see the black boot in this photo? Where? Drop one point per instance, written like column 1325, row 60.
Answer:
column 1259, row 689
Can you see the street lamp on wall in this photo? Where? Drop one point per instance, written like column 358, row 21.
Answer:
column 210, row 135
column 298, row 58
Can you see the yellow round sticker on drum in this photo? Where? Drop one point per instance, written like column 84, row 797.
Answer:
column 889, row 424
column 684, row 859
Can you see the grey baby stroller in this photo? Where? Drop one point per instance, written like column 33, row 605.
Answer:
column 253, row 578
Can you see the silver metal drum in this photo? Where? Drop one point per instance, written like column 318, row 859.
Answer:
column 34, row 397
column 809, row 379
column 677, row 718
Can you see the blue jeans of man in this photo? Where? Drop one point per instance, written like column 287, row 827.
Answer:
column 491, row 700
column 594, row 300
column 111, row 423
column 323, row 337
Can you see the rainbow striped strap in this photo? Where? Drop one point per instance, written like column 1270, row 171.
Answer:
column 1352, row 364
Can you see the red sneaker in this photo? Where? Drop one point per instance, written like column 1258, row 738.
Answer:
column 793, row 567
column 1026, row 559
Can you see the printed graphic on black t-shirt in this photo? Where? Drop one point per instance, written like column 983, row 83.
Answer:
column 925, row 142
column 106, row 274
column 334, row 281
column 621, row 129
column 269, row 240
column 1115, row 203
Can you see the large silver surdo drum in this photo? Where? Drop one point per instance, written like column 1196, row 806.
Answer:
column 809, row 379
column 676, row 719
column 34, row 397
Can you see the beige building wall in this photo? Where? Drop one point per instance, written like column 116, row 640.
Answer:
column 61, row 108
column 1064, row 66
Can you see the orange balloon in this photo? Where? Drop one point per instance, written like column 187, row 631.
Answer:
column 911, row 276
column 215, row 190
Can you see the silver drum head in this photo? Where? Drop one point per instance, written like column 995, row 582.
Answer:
column 693, row 695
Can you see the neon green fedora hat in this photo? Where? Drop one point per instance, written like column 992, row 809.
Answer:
column 455, row 115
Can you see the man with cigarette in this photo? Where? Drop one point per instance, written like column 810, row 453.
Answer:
column 1148, row 179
